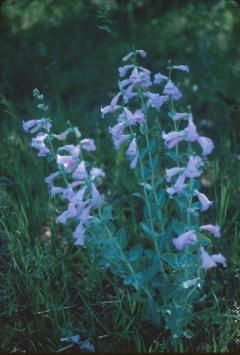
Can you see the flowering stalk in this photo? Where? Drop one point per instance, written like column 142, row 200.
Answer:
column 80, row 191
column 137, row 88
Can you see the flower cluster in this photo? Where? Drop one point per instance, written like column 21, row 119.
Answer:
column 136, row 85
column 75, row 182
column 183, row 177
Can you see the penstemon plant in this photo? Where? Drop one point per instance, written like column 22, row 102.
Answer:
column 165, row 266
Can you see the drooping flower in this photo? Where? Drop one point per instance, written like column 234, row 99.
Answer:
column 70, row 212
column 74, row 150
column 177, row 116
column 118, row 142
column 62, row 136
column 172, row 138
column 190, row 131
column 141, row 52
column 132, row 153
column 158, row 78
column 123, row 70
column 205, row 203
column 206, row 145
column 171, row 90
column 133, row 118
column 49, row 179
column 156, row 100
column 96, row 172
column 39, row 144
column 172, row 172
column 193, row 166
column 97, row 198
column 88, row 144
column 185, row 239
column 220, row 259
column 179, row 184
column 79, row 234
column 181, row 67
column 214, row 229
column 80, row 173
column 67, row 162
column 117, row 130
column 32, row 126
column 206, row 261
column 113, row 105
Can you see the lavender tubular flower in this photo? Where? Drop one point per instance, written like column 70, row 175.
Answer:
column 39, row 144
column 123, row 70
column 172, row 172
column 213, row 229
column 205, row 203
column 185, row 239
column 181, row 67
column 88, row 144
column 172, row 138
column 80, row 173
column 193, row 166
column 156, row 100
column 171, row 90
column 206, row 261
column 158, row 78
column 206, row 145
column 112, row 107
column 132, row 153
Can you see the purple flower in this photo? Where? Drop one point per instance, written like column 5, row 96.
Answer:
column 74, row 150
column 191, row 134
column 123, row 70
column 38, row 143
column 171, row 90
column 181, row 67
column 29, row 125
column 62, row 136
column 88, row 144
column 156, row 100
column 32, row 126
column 97, row 198
column 96, row 172
column 132, row 119
column 132, row 153
column 206, row 144
column 49, row 179
column 179, row 184
column 80, row 173
column 117, row 130
column 219, row 258
column 206, row 261
column 119, row 141
column 172, row 172
column 185, row 239
column 71, row 212
column 205, row 203
column 84, row 214
column 79, row 235
column 177, row 116
column 67, row 162
column 158, row 78
column 56, row 190
column 172, row 138
column 141, row 52
column 113, row 105
column 194, row 163
column 214, row 229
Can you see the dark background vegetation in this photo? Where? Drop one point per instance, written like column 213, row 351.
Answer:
column 70, row 50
